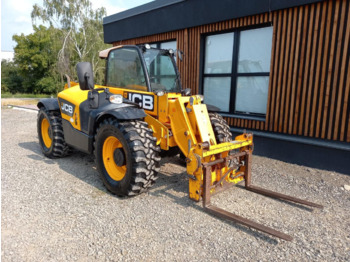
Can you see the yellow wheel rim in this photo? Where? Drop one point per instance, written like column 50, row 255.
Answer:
column 117, row 173
column 45, row 132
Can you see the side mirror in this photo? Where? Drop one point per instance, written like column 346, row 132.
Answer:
column 85, row 76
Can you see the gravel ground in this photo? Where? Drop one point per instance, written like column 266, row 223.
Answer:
column 59, row 210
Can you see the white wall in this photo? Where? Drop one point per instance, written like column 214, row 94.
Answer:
column 7, row 55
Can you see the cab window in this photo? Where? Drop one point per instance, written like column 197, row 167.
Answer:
column 125, row 69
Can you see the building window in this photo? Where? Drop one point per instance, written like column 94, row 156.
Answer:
column 165, row 45
column 236, row 68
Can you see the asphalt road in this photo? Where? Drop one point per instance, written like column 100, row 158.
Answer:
column 59, row 210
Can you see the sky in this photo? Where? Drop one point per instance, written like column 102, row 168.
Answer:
column 15, row 16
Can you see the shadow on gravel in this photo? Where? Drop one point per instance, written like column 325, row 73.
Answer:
column 77, row 164
column 34, row 147
column 82, row 166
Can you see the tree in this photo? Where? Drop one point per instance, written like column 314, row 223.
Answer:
column 35, row 56
column 11, row 81
column 81, row 29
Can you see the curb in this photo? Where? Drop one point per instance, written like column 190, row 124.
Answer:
column 23, row 107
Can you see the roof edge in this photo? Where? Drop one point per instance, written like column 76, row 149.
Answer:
column 151, row 6
column 163, row 16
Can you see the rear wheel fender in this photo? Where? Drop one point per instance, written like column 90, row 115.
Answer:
column 50, row 104
column 125, row 113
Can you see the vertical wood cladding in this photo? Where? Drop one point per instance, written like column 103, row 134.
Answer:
column 309, row 85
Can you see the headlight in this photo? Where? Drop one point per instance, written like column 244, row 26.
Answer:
column 116, row 99
column 160, row 93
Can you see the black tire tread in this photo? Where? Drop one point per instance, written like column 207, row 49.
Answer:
column 59, row 146
column 221, row 128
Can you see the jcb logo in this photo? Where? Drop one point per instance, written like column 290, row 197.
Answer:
column 66, row 107
column 145, row 101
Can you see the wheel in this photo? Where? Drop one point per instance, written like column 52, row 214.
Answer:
column 127, row 156
column 221, row 128
column 223, row 134
column 50, row 133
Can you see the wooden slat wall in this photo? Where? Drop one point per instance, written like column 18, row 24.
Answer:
column 310, row 68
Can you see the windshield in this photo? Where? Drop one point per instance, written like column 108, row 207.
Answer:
column 161, row 70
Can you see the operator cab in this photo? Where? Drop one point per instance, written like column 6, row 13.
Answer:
column 141, row 68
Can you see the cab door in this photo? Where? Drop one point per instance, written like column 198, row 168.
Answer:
column 127, row 76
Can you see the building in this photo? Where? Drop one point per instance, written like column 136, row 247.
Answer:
column 278, row 68
column 7, row 55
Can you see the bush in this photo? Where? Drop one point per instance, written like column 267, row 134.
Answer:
column 47, row 85
column 11, row 81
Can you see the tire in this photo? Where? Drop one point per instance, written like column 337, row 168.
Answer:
column 50, row 133
column 127, row 156
column 222, row 133
column 221, row 128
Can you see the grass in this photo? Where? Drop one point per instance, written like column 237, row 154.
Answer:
column 20, row 99
column 19, row 95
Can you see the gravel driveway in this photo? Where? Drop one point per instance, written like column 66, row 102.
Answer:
column 59, row 210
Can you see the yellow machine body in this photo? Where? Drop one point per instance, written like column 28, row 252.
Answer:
column 74, row 96
column 183, row 121
column 176, row 118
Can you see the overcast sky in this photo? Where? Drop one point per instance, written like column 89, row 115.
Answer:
column 15, row 16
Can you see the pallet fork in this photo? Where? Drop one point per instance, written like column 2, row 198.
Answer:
column 239, row 171
column 213, row 167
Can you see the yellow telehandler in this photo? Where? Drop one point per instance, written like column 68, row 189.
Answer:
column 140, row 112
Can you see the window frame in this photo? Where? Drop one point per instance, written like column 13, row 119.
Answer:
column 234, row 72
column 162, row 42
